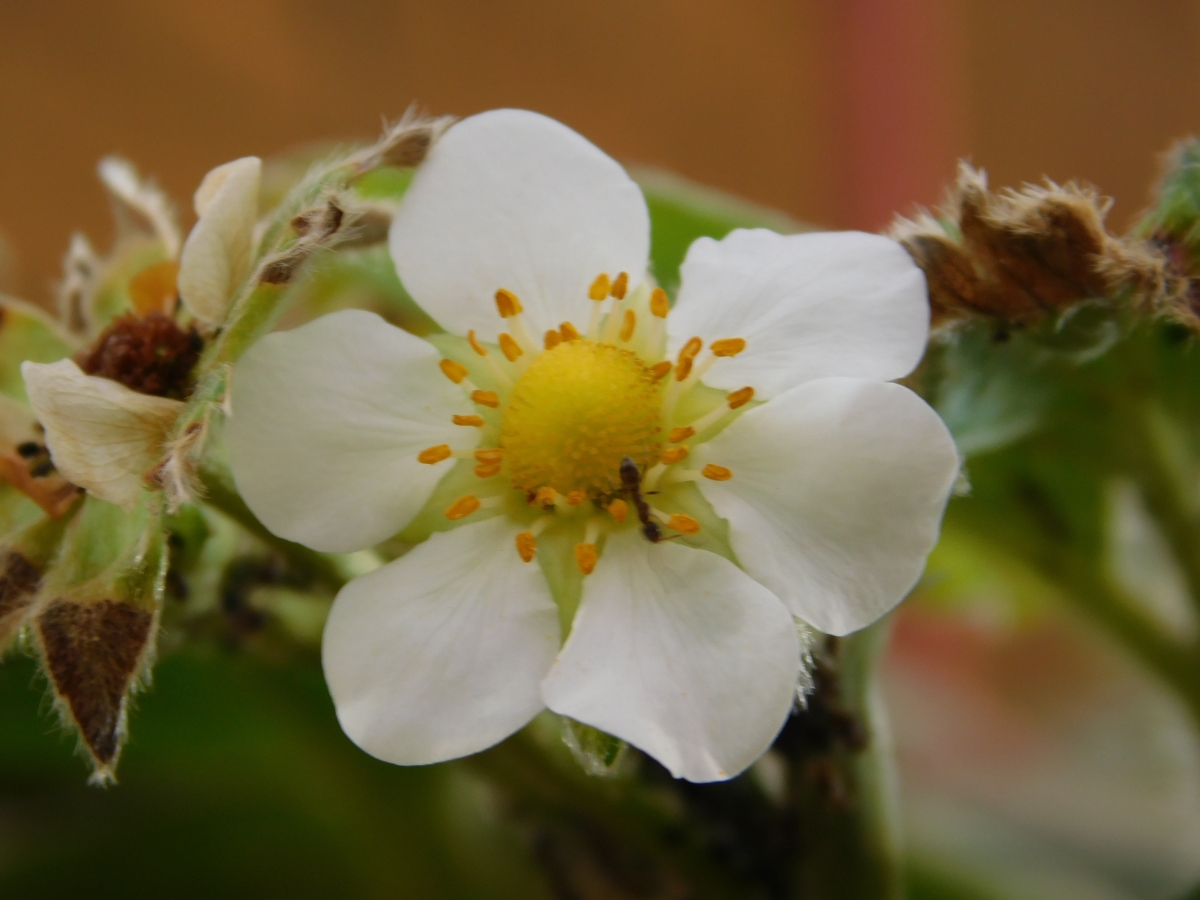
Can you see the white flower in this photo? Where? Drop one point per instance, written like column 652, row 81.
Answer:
column 782, row 474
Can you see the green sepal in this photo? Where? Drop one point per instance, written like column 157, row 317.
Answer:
column 597, row 752
column 27, row 333
column 111, row 297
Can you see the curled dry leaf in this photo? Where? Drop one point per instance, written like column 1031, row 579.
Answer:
column 218, row 253
column 102, row 436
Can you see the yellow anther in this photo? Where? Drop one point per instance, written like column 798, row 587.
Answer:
column 507, row 304
column 526, row 545
column 585, row 557
column 600, row 287
column 489, row 454
column 620, row 287
column 545, row 496
column 432, row 455
column 740, row 397
column 672, row 455
column 628, row 324
column 487, row 470
column 475, row 421
column 574, row 498
column 475, row 345
column 568, row 332
column 618, row 509
column 659, row 304
column 462, row 507
column 511, row 349
column 486, row 398
column 659, row 371
column 716, row 473
column 728, row 346
column 680, row 434
column 691, row 348
column 452, row 370
column 553, row 339
column 683, row 524
column 684, row 369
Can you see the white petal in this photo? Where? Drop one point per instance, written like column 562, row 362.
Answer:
column 327, row 423
column 101, row 435
column 680, row 653
column 439, row 654
column 808, row 305
column 837, row 495
column 217, row 255
column 511, row 199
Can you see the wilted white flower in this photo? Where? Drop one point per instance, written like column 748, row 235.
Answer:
column 689, row 479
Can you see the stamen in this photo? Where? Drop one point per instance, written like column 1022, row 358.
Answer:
column 456, row 372
column 684, row 369
column 659, row 304
column 552, row 339
column 574, row 498
column 740, row 397
column 672, row 455
column 727, row 346
column 487, row 470
column 475, row 345
column 586, row 557
column 511, row 349
column 508, row 304
column 716, row 473
column 621, row 286
column 686, row 357
column 486, row 398
column 683, row 524
column 680, row 434
column 474, row 421
column 619, row 510
column 659, row 371
column 462, row 507
column 545, row 496
column 600, row 288
column 628, row 325
column 432, row 455
column 489, row 454
column 568, row 332
column 526, row 545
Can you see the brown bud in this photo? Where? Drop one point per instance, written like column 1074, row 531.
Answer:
column 93, row 653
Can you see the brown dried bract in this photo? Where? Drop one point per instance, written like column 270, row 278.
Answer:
column 19, row 581
column 93, row 653
column 1020, row 256
column 148, row 354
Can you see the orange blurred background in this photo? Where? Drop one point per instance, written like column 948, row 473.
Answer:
column 839, row 113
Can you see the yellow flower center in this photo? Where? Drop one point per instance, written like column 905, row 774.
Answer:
column 575, row 413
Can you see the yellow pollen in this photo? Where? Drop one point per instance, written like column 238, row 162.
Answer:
column 578, row 410
column 462, row 507
column 690, row 349
column 620, row 287
column 475, row 345
column 487, row 470
column 452, row 370
column 489, row 454
column 507, row 304
column 526, row 545
column 659, row 305
column 680, row 434
column 740, row 397
column 661, row 370
column 618, row 509
column 716, row 473
column 476, row 421
column 728, row 346
column 553, row 339
column 511, row 349
column 599, row 289
column 684, row 369
column 628, row 325
column 545, row 496
column 568, row 331
column 672, row 455
column 585, row 557
column 575, row 498
column 486, row 398
column 432, row 455
column 683, row 524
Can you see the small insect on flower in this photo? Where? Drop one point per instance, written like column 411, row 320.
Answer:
column 567, row 390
